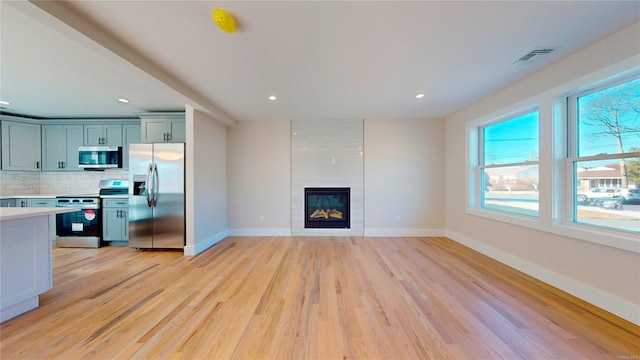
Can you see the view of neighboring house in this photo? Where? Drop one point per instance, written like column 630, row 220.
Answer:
column 607, row 176
column 516, row 178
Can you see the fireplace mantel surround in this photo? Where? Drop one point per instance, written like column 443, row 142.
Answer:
column 327, row 153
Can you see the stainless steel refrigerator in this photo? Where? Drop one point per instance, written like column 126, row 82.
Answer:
column 156, row 196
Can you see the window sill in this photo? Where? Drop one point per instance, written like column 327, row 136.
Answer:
column 605, row 237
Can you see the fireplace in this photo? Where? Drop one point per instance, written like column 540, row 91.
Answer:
column 327, row 208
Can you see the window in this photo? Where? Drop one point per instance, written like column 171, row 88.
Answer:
column 509, row 165
column 604, row 156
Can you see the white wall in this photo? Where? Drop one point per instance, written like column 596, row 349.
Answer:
column 259, row 175
column 403, row 172
column 404, row 178
column 605, row 276
column 206, row 181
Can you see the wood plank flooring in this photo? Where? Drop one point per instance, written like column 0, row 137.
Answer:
column 308, row 298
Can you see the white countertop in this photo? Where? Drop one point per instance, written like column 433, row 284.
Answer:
column 13, row 213
column 31, row 196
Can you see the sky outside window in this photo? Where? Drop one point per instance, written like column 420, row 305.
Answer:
column 609, row 120
column 512, row 141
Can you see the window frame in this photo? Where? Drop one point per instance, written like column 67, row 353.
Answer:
column 482, row 167
column 554, row 199
column 572, row 157
column 474, row 191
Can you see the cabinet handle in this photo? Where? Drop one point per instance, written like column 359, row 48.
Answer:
column 37, row 164
column 64, row 165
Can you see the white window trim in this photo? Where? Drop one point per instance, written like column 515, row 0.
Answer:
column 557, row 220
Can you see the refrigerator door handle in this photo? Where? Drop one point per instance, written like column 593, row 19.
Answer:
column 156, row 184
column 148, row 185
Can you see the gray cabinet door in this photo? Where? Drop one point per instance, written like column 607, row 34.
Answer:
column 20, row 146
column 112, row 228
column 60, row 145
column 73, row 134
column 54, row 151
column 153, row 130
column 163, row 129
column 102, row 135
column 93, row 135
column 130, row 135
column 115, row 220
column 177, row 131
column 112, row 135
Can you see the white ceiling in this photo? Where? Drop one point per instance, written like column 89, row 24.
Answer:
column 323, row 60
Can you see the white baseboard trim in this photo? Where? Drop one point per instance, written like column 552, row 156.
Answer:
column 403, row 232
column 192, row 250
column 260, row 232
column 603, row 300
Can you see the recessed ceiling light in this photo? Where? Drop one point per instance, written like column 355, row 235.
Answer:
column 2, row 102
column 419, row 96
column 273, row 98
column 123, row 100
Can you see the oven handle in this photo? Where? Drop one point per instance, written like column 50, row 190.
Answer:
column 148, row 185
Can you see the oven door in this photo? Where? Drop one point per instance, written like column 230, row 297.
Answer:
column 78, row 229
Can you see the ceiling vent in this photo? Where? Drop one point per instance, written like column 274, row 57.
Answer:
column 534, row 55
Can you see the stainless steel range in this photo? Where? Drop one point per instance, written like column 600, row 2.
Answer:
column 80, row 228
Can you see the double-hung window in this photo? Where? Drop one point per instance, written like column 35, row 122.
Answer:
column 508, row 164
column 603, row 161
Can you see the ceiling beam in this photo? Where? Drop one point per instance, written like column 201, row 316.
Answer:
column 60, row 17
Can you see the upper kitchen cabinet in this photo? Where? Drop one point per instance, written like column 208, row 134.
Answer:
column 102, row 135
column 60, row 145
column 163, row 128
column 130, row 135
column 20, row 146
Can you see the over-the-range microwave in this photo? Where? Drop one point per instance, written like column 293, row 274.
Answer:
column 99, row 157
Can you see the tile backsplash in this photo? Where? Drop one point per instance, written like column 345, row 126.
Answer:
column 54, row 182
column 19, row 182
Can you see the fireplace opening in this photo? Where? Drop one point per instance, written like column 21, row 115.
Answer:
column 327, row 208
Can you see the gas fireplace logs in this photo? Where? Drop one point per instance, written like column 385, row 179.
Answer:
column 326, row 214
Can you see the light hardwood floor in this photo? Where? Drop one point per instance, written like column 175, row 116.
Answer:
column 308, row 297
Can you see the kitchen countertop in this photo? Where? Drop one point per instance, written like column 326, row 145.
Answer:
column 30, row 196
column 14, row 213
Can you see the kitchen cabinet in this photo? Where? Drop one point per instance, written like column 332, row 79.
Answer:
column 20, row 202
column 163, row 128
column 20, row 146
column 60, row 145
column 29, row 202
column 115, row 220
column 25, row 255
column 41, row 202
column 7, row 202
column 130, row 135
column 103, row 135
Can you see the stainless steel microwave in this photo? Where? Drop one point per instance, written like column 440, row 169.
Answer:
column 100, row 157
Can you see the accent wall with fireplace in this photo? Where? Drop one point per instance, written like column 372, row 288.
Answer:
column 327, row 178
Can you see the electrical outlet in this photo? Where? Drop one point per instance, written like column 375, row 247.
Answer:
column 261, row 218
column 397, row 218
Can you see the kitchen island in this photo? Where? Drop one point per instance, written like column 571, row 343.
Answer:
column 26, row 265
